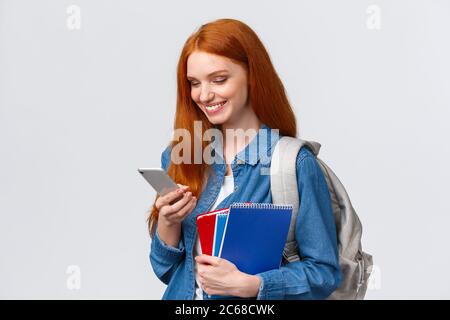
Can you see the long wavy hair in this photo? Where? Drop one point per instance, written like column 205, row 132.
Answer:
column 235, row 40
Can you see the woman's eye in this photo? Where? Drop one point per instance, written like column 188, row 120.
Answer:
column 217, row 81
column 220, row 80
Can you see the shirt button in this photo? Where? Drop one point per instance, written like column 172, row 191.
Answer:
column 240, row 161
column 235, row 188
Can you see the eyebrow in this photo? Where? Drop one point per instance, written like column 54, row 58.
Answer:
column 211, row 74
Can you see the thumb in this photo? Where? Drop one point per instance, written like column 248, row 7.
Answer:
column 206, row 259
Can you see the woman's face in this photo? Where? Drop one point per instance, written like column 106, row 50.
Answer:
column 218, row 86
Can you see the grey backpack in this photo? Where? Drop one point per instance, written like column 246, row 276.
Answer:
column 355, row 264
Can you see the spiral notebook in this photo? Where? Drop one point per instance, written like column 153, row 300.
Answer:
column 207, row 227
column 255, row 235
column 221, row 220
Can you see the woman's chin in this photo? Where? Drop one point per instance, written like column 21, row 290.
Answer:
column 215, row 122
column 217, row 119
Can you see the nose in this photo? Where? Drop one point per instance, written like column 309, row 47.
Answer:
column 206, row 94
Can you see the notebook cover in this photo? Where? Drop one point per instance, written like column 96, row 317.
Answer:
column 221, row 220
column 206, row 224
column 255, row 235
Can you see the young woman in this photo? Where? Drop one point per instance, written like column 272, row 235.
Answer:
column 226, row 81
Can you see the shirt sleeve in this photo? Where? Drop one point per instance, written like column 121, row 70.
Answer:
column 317, row 274
column 163, row 257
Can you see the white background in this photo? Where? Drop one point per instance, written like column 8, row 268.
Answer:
column 81, row 110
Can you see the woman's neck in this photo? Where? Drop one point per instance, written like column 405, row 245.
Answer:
column 239, row 132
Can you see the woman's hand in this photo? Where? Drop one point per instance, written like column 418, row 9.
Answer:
column 221, row 277
column 175, row 206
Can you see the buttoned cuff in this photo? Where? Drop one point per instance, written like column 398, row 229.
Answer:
column 272, row 285
column 166, row 251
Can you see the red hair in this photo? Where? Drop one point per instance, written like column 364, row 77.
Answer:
column 235, row 40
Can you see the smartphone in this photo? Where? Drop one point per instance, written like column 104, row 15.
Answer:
column 159, row 180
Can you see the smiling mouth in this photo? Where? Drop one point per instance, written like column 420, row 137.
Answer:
column 215, row 107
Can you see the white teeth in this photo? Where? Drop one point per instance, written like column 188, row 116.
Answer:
column 214, row 107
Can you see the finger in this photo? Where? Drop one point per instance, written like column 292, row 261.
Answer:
column 201, row 271
column 206, row 259
column 177, row 206
column 169, row 198
column 203, row 268
column 182, row 186
column 187, row 208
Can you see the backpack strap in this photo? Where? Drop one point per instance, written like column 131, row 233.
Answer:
column 283, row 184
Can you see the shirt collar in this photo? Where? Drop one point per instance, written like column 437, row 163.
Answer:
column 260, row 147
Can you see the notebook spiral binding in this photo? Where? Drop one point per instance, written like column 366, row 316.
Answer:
column 261, row 205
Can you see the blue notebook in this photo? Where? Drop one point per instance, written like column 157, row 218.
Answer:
column 221, row 220
column 255, row 235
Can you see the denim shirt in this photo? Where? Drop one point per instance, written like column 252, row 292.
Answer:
column 315, row 276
